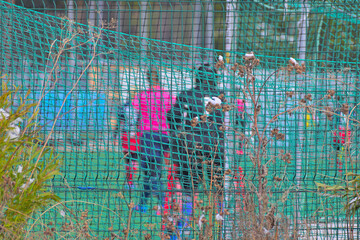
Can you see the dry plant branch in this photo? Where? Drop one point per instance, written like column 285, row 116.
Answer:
column 63, row 103
column 262, row 219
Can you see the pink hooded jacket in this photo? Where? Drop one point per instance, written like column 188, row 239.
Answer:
column 153, row 104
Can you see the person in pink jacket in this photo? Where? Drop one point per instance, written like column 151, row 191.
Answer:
column 153, row 104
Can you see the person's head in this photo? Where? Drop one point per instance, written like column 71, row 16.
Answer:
column 132, row 93
column 153, row 77
column 206, row 76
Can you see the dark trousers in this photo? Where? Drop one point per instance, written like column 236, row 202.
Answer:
column 130, row 168
column 196, row 155
column 153, row 146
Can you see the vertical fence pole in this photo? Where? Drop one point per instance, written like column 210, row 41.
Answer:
column 120, row 16
column 301, row 44
column 209, row 29
column 302, row 27
column 143, row 31
column 71, row 62
column 196, row 32
column 92, row 15
column 229, row 154
column 8, row 42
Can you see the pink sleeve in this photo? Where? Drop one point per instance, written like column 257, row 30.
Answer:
column 136, row 101
column 171, row 100
column 240, row 104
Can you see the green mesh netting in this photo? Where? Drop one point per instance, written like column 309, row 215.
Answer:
column 89, row 75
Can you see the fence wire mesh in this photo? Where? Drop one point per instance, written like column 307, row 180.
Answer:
column 135, row 100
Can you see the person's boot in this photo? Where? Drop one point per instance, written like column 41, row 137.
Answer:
column 141, row 208
column 187, row 208
column 183, row 224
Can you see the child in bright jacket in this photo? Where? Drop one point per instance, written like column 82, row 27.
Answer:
column 128, row 119
column 153, row 105
column 341, row 137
